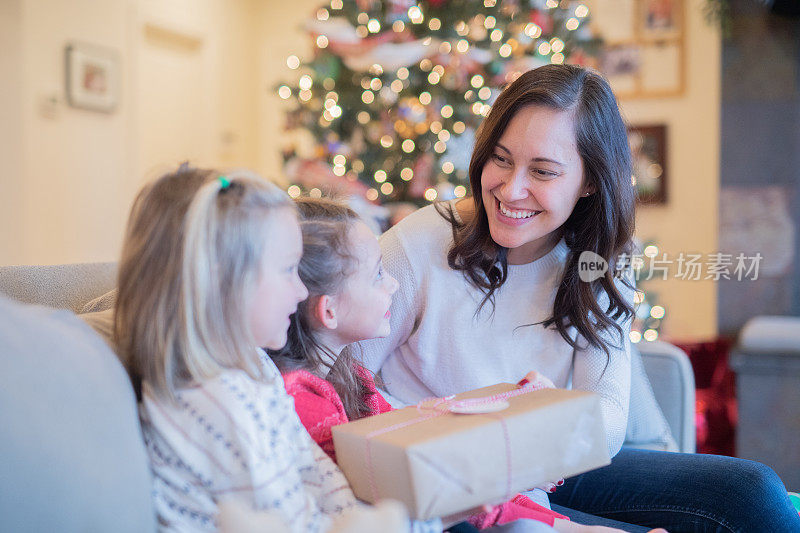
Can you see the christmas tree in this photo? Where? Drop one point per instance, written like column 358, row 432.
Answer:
column 396, row 89
column 649, row 315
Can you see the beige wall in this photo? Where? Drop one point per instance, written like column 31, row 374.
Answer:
column 74, row 162
column 11, row 180
column 72, row 173
column 196, row 82
column 281, row 35
column 688, row 222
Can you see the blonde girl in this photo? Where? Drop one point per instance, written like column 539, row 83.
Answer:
column 208, row 273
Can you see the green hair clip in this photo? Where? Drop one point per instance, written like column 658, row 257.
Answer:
column 225, row 183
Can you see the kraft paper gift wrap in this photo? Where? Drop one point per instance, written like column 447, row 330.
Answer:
column 438, row 464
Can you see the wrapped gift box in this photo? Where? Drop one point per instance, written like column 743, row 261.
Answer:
column 438, row 462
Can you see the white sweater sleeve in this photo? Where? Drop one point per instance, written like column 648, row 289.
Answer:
column 407, row 304
column 608, row 376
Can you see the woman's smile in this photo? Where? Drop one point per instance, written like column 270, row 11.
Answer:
column 513, row 216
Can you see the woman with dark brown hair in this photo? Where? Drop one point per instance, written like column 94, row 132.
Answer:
column 490, row 289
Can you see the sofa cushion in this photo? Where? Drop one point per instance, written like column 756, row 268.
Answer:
column 72, row 453
column 104, row 302
column 62, row 286
column 770, row 335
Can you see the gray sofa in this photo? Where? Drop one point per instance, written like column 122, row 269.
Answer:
column 766, row 360
column 73, row 459
column 72, row 454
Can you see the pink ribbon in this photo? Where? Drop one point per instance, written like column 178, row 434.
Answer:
column 441, row 407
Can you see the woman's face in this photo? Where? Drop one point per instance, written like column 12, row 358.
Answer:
column 532, row 181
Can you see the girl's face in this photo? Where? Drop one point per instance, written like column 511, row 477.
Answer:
column 278, row 287
column 363, row 303
column 532, row 182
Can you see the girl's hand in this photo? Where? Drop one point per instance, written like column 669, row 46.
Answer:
column 550, row 487
column 535, row 378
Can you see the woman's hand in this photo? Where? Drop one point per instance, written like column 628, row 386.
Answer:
column 537, row 379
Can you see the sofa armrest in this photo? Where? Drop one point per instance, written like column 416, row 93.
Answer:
column 672, row 379
column 61, row 286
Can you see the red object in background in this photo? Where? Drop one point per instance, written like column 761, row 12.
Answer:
column 715, row 404
column 543, row 21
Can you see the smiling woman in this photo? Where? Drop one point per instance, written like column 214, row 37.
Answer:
column 551, row 179
column 552, row 162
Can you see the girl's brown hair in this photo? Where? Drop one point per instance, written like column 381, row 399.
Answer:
column 327, row 262
column 602, row 222
column 191, row 256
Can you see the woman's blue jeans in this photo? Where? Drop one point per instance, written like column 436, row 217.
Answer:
column 679, row 492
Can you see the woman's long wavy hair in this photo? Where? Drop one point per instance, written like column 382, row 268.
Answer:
column 602, row 222
column 327, row 262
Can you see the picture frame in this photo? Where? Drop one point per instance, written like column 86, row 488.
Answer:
column 622, row 66
column 621, row 60
column 649, row 160
column 660, row 20
column 92, row 77
column 643, row 54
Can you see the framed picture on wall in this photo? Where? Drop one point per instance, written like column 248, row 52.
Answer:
column 660, row 19
column 622, row 65
column 644, row 46
column 649, row 157
column 621, row 60
column 92, row 77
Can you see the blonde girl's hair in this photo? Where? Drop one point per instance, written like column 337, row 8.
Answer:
column 190, row 259
column 327, row 262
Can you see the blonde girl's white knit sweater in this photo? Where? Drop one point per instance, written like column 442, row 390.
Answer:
column 236, row 438
column 441, row 344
